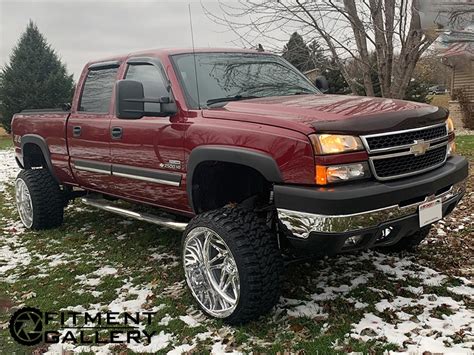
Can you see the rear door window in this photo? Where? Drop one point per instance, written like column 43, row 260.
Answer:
column 97, row 91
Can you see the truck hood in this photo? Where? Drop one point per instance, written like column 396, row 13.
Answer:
column 331, row 113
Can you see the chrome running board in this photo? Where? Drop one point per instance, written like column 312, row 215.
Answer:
column 146, row 217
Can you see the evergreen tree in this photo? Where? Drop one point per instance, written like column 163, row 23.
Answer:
column 337, row 83
column 418, row 91
column 34, row 78
column 317, row 55
column 297, row 53
column 306, row 57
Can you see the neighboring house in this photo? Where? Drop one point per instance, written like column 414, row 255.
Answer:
column 453, row 22
column 459, row 55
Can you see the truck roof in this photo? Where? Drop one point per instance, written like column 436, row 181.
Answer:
column 171, row 51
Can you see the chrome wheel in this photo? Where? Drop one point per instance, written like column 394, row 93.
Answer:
column 23, row 203
column 211, row 272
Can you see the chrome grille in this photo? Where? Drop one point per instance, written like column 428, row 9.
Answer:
column 403, row 139
column 402, row 165
column 394, row 155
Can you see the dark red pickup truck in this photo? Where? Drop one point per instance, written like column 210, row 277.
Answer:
column 252, row 158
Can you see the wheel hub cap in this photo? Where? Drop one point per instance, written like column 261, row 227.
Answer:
column 211, row 272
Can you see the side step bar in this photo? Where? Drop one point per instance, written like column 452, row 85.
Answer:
column 107, row 206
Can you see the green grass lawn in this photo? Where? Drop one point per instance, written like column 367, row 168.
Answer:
column 465, row 145
column 5, row 142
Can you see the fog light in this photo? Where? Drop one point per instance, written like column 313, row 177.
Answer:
column 353, row 241
column 340, row 173
column 384, row 234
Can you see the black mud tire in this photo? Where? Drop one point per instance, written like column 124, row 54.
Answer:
column 46, row 197
column 408, row 243
column 258, row 259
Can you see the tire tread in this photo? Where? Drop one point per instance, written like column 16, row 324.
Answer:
column 259, row 257
column 47, row 198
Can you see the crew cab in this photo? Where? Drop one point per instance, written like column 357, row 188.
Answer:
column 252, row 159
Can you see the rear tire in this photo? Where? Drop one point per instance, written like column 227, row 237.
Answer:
column 40, row 201
column 408, row 243
column 247, row 248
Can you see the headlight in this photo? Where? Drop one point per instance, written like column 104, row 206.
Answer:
column 450, row 125
column 340, row 173
column 334, row 143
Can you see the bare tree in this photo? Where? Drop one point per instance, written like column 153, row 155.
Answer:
column 349, row 29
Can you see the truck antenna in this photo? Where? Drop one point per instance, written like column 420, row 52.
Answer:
column 194, row 56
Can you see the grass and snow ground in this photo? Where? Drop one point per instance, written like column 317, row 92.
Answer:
column 368, row 302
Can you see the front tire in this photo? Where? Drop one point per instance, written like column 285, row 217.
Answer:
column 39, row 200
column 232, row 264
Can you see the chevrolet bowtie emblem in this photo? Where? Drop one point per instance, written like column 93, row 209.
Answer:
column 419, row 147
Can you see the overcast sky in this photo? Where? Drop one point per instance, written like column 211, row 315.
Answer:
column 81, row 30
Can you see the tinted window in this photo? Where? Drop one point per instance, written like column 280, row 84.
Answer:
column 153, row 84
column 97, row 90
column 222, row 75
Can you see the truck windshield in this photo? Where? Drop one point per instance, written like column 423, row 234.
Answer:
column 223, row 77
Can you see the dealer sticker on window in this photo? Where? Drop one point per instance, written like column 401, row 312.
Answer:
column 430, row 212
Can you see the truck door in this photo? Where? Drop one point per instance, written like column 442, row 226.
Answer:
column 88, row 128
column 148, row 153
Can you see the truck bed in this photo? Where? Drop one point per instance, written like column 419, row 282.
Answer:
column 49, row 127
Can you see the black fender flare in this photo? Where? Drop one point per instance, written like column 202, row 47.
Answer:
column 260, row 161
column 41, row 143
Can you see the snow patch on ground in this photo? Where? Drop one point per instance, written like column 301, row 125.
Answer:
column 166, row 260
column 424, row 322
column 13, row 254
column 463, row 290
column 130, row 298
column 190, row 321
column 8, row 167
column 402, row 269
column 95, row 278
column 422, row 332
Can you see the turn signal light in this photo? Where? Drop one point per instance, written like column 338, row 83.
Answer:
column 451, row 148
column 321, row 175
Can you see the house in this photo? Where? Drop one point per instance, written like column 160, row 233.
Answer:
column 459, row 56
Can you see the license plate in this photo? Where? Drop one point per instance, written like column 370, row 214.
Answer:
column 430, row 212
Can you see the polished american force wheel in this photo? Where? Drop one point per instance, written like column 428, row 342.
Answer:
column 211, row 272
column 23, row 202
column 39, row 200
column 232, row 264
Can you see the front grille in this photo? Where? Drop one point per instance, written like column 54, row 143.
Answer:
column 408, row 164
column 405, row 138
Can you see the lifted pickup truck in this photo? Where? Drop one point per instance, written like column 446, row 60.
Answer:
column 254, row 157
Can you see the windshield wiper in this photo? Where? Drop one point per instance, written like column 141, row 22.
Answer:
column 230, row 98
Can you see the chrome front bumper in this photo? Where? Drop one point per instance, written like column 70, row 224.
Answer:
column 301, row 224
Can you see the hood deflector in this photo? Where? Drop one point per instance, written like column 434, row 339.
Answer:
column 386, row 121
